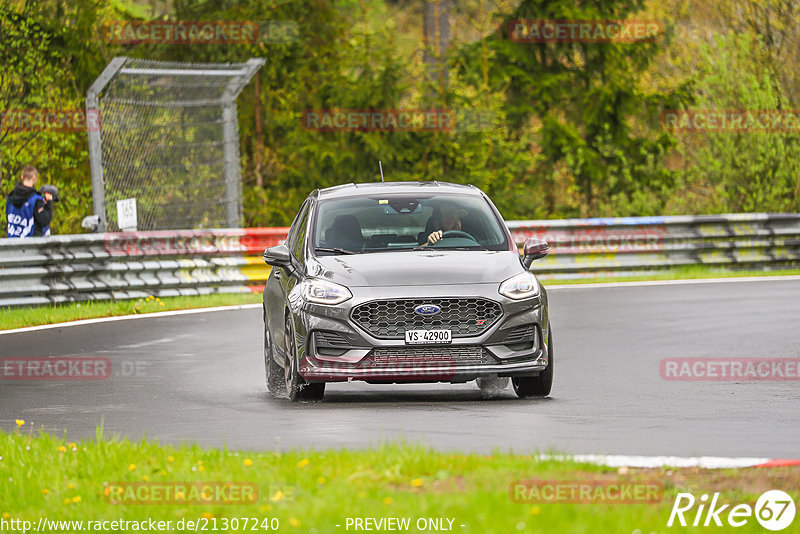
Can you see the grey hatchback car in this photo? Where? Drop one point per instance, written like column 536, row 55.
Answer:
column 403, row 282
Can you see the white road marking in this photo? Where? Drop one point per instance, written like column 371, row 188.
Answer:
column 704, row 462
column 127, row 317
column 644, row 283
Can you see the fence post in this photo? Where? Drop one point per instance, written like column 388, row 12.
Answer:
column 93, row 119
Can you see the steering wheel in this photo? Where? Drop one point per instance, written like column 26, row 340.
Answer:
column 456, row 234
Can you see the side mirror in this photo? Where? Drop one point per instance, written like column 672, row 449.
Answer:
column 278, row 256
column 535, row 249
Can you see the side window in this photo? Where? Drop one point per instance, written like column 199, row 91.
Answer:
column 300, row 233
column 291, row 238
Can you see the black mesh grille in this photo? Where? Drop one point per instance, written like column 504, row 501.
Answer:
column 416, row 356
column 521, row 333
column 389, row 319
column 330, row 338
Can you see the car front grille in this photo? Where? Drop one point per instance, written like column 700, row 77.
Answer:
column 389, row 319
column 452, row 355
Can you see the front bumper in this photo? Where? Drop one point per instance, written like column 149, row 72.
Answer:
column 491, row 354
column 316, row 371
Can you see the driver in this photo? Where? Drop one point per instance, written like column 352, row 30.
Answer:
column 450, row 220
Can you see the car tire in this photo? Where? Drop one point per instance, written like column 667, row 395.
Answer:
column 297, row 389
column 274, row 374
column 537, row 386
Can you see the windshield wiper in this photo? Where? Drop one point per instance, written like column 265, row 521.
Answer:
column 465, row 247
column 336, row 250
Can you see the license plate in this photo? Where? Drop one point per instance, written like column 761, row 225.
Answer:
column 420, row 337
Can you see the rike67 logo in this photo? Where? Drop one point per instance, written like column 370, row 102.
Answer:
column 774, row 510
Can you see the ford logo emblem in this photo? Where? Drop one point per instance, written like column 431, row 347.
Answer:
column 427, row 309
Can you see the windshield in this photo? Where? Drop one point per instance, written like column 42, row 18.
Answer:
column 390, row 223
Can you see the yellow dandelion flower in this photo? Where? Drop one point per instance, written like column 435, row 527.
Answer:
column 302, row 463
column 388, row 500
column 179, row 496
column 417, row 482
column 71, row 445
column 170, row 458
column 207, row 515
column 45, row 491
column 20, row 422
column 66, row 501
column 294, row 522
column 248, row 462
column 201, row 468
column 107, row 491
column 535, row 510
column 62, row 449
column 76, row 498
column 361, row 495
column 277, row 496
column 70, row 486
column 131, row 467
column 145, row 478
column 6, row 515
column 265, row 508
column 321, row 480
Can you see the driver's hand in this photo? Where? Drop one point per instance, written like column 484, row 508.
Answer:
column 48, row 196
column 435, row 237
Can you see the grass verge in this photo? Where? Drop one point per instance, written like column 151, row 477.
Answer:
column 33, row 316
column 314, row 491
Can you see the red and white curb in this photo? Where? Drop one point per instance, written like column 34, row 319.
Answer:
column 703, row 462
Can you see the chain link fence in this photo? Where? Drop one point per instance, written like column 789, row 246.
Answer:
column 167, row 135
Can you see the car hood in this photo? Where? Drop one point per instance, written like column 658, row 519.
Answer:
column 417, row 268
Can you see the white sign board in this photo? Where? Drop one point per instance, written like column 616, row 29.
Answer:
column 126, row 214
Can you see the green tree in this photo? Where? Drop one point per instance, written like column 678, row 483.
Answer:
column 595, row 126
column 747, row 171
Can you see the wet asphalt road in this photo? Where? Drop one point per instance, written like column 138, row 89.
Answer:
column 199, row 378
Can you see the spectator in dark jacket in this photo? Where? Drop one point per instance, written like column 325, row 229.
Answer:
column 29, row 213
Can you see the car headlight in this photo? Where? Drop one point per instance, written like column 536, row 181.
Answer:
column 321, row 292
column 521, row 286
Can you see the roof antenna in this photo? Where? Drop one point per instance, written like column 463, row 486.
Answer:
column 381, row 168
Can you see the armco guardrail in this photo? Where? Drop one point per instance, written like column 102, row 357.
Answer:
column 131, row 265
column 626, row 245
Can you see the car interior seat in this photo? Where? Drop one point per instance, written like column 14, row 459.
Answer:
column 345, row 233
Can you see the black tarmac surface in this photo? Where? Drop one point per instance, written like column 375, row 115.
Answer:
column 200, row 378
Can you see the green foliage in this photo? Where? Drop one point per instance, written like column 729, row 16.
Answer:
column 573, row 128
column 747, row 171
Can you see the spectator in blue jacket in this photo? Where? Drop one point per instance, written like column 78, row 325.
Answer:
column 29, row 213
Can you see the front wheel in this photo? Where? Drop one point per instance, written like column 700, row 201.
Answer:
column 273, row 371
column 296, row 387
column 537, row 386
